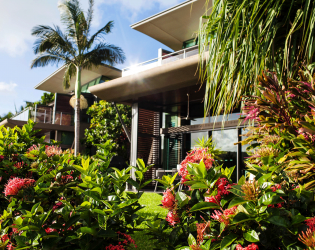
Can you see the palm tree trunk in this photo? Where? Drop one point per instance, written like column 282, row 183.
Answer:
column 77, row 112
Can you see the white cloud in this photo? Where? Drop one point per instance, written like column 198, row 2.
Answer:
column 7, row 88
column 18, row 17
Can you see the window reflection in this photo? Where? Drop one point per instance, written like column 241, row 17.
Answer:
column 225, row 140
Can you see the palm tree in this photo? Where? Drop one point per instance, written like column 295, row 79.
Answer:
column 249, row 36
column 75, row 48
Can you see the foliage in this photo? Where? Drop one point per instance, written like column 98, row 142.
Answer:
column 211, row 147
column 286, row 119
column 66, row 202
column 242, row 38
column 273, row 208
column 105, row 125
column 76, row 48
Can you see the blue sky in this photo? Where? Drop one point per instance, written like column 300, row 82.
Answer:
column 18, row 17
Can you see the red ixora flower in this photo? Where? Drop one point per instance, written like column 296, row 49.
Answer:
column 10, row 247
column 168, row 199
column 172, row 218
column 223, row 217
column 249, row 247
column 1, row 158
column 223, row 189
column 195, row 156
column 16, row 184
column 52, row 150
column 49, row 230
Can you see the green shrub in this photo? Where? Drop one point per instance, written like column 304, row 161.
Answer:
column 58, row 201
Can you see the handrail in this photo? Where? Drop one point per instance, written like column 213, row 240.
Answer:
column 161, row 57
column 28, row 108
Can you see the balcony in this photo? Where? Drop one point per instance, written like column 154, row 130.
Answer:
column 171, row 57
column 45, row 114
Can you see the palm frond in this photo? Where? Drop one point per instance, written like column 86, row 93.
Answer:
column 52, row 40
column 70, row 71
column 240, row 39
column 89, row 17
column 46, row 59
column 103, row 31
column 104, row 53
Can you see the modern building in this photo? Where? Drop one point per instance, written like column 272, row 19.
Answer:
column 167, row 97
column 56, row 120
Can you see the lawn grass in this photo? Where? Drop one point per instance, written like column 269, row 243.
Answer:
column 152, row 201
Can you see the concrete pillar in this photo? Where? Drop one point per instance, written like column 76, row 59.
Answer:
column 134, row 136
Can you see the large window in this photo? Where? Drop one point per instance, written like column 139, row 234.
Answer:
column 85, row 88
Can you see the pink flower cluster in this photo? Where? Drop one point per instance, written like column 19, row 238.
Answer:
column 49, row 230
column 19, row 165
column 275, row 187
column 52, row 150
column 168, row 200
column 223, row 217
column 4, row 238
column 311, row 223
column 16, row 184
column 121, row 244
column 195, row 156
column 1, row 158
column 58, row 204
column 34, row 147
column 223, row 189
column 249, row 247
column 172, row 218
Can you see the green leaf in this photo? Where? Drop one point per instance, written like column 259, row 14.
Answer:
column 237, row 201
column 241, row 181
column 127, row 203
column 279, row 221
column 140, row 164
column 87, row 230
column 240, row 217
column 264, row 178
column 133, row 183
column 199, row 185
column 203, row 206
column 228, row 240
column 182, row 199
column 191, row 240
column 297, row 219
column 251, row 236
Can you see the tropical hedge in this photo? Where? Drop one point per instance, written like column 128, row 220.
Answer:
column 51, row 199
column 273, row 206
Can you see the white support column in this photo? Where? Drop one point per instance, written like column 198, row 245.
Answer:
column 54, row 110
column 160, row 54
column 134, row 136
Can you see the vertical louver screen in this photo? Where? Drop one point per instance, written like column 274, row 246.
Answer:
column 149, row 139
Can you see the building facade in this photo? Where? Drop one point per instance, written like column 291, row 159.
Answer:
column 166, row 95
column 56, row 120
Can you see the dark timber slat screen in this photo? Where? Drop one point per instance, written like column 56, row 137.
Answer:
column 149, row 140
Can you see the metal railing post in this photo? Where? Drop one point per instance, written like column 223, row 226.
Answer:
column 184, row 54
column 45, row 117
column 60, row 118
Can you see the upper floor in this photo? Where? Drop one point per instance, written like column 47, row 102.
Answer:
column 176, row 28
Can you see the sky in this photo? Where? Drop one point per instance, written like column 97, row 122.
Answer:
column 18, row 17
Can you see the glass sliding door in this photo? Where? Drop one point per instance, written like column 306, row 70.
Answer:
column 225, row 140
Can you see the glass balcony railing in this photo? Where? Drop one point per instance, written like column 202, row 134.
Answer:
column 171, row 57
column 44, row 114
